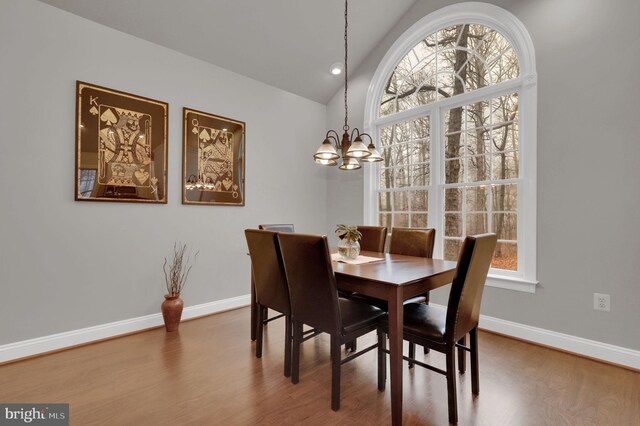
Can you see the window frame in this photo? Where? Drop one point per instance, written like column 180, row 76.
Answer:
column 526, row 85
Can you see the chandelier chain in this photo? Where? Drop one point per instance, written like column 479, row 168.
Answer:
column 346, row 74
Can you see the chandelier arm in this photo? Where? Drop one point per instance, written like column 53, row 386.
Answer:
column 333, row 136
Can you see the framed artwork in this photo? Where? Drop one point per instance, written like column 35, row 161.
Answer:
column 121, row 146
column 213, row 156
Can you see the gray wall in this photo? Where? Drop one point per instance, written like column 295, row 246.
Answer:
column 66, row 265
column 588, row 55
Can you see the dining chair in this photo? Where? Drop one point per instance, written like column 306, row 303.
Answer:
column 417, row 242
column 373, row 238
column 315, row 302
column 271, row 286
column 275, row 227
column 441, row 328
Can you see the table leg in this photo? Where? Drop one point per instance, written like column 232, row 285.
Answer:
column 254, row 309
column 395, row 348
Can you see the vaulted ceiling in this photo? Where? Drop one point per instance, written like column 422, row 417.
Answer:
column 289, row 44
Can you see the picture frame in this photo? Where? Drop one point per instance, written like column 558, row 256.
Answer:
column 213, row 159
column 121, row 146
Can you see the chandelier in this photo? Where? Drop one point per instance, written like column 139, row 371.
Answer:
column 351, row 150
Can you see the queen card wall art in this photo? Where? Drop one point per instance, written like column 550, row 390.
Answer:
column 121, row 146
column 212, row 159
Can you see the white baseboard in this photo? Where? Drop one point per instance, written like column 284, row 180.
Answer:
column 566, row 342
column 58, row 341
column 590, row 348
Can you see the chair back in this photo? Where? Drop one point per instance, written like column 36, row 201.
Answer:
column 268, row 270
column 412, row 241
column 463, row 309
column 278, row 227
column 373, row 238
column 312, row 284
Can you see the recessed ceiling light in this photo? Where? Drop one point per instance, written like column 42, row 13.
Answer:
column 337, row 68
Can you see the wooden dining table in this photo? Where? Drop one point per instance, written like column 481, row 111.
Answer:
column 394, row 278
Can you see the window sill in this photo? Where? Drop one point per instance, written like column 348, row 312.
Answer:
column 511, row 283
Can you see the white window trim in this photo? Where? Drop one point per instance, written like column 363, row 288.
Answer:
column 514, row 31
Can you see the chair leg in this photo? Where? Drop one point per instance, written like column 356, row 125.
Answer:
column 260, row 330
column 475, row 374
column 295, row 356
column 462, row 356
column 335, row 373
column 451, row 385
column 412, row 353
column 265, row 315
column 382, row 361
column 287, row 346
column 425, row 349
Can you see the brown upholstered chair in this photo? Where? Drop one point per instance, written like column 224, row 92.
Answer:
column 315, row 302
column 271, row 286
column 417, row 242
column 440, row 329
column 278, row 227
column 275, row 227
column 412, row 241
column 373, row 238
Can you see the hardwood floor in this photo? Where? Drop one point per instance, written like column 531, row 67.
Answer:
column 207, row 374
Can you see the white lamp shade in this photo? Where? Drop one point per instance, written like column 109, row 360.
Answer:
column 358, row 149
column 350, row 164
column 374, row 155
column 326, row 152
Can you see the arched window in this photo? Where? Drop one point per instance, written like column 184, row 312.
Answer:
column 453, row 109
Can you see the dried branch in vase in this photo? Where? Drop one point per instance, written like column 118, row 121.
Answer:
column 178, row 270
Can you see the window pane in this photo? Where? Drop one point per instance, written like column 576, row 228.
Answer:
column 420, row 128
column 384, row 201
column 504, row 108
column 505, row 257
column 477, row 115
column 386, row 179
column 505, row 225
column 505, row 137
column 476, row 223
column 419, row 200
column 420, row 175
column 385, row 136
column 419, row 220
column 478, row 168
column 505, row 197
column 453, row 200
column 451, row 249
column 453, row 145
column 401, row 220
column 477, row 141
column 505, row 165
column 402, row 178
column 452, row 225
column 453, row 170
column 384, row 220
column 419, row 152
column 400, row 201
column 476, row 199
column 453, row 120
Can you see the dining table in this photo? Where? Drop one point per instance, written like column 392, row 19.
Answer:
column 394, row 278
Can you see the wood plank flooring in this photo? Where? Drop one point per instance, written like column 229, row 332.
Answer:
column 207, row 374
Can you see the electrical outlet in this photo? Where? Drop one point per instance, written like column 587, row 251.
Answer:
column 602, row 302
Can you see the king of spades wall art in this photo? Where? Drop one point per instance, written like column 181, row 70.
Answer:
column 121, row 146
